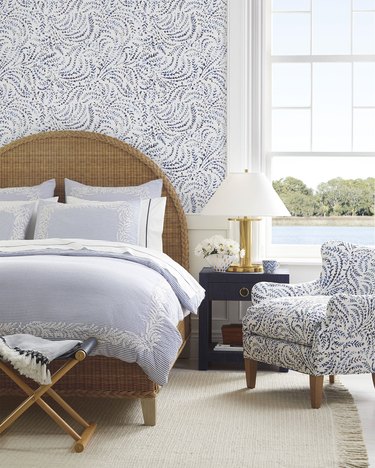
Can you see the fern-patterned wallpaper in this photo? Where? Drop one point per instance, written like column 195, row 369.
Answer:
column 149, row 72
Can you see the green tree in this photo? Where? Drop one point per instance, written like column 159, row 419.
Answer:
column 298, row 198
column 346, row 197
column 337, row 197
column 291, row 184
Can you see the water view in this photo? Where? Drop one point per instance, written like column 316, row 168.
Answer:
column 318, row 234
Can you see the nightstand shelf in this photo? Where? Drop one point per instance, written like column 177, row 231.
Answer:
column 233, row 286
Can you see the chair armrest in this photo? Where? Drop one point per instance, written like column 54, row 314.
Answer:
column 266, row 290
column 344, row 344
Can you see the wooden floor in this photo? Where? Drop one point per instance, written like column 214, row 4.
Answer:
column 363, row 392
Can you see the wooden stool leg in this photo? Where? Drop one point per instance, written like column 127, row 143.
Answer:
column 86, row 435
column 31, row 394
column 14, row 415
column 67, row 408
column 149, row 411
column 331, row 379
column 251, row 372
column 316, row 390
column 36, row 397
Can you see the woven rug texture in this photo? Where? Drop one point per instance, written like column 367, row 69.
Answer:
column 204, row 419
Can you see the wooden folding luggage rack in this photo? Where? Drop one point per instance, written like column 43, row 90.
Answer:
column 74, row 356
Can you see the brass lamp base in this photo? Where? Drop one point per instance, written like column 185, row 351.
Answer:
column 246, row 268
column 245, row 243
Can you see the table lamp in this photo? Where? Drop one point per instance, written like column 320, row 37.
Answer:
column 245, row 197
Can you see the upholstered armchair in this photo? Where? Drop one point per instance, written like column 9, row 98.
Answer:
column 323, row 327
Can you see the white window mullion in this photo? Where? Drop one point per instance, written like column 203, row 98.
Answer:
column 257, row 85
column 267, row 90
column 237, row 86
column 322, row 58
column 311, row 78
column 338, row 154
column 352, row 90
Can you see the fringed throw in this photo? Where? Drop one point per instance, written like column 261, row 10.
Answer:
column 30, row 355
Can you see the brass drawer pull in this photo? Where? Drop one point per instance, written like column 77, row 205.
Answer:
column 244, row 292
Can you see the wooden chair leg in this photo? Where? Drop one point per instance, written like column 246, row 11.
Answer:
column 251, row 372
column 149, row 411
column 373, row 379
column 316, row 390
column 331, row 379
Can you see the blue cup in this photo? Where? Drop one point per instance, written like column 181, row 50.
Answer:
column 270, row 266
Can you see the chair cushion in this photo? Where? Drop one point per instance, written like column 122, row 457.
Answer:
column 291, row 319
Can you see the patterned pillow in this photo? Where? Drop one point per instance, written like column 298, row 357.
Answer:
column 14, row 219
column 150, row 189
column 44, row 190
column 151, row 221
column 116, row 221
column 29, row 234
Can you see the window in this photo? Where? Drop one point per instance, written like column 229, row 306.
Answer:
column 319, row 117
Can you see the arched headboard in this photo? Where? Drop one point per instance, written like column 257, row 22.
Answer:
column 93, row 159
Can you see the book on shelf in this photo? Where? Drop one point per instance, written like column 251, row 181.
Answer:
column 226, row 347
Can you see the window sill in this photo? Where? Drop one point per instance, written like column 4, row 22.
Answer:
column 300, row 261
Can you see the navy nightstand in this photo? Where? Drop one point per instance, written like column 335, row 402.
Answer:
column 233, row 286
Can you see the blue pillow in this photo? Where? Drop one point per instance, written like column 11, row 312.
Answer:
column 151, row 220
column 14, row 219
column 150, row 189
column 116, row 221
column 44, row 190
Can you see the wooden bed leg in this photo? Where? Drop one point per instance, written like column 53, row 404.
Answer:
column 149, row 411
column 316, row 390
column 251, row 372
column 373, row 379
column 331, row 379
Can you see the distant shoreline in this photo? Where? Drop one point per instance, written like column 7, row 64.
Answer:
column 353, row 221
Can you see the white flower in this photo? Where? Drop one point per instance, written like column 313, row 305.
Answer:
column 218, row 245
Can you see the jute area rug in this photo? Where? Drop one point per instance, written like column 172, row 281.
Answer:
column 204, row 419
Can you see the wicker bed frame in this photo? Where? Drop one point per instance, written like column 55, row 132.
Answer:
column 96, row 159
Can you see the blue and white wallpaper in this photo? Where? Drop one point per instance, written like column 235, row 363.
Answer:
column 149, row 72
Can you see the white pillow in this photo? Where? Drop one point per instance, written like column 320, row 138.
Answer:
column 151, row 221
column 44, row 190
column 29, row 234
column 14, row 219
column 116, row 221
column 150, row 189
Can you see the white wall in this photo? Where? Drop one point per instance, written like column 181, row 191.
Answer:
column 201, row 227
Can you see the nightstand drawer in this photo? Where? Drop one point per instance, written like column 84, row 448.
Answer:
column 229, row 291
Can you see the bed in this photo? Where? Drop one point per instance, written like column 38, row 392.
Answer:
column 98, row 160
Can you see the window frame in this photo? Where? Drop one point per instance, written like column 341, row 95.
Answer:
column 250, row 110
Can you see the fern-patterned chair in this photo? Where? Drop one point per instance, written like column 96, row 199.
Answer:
column 322, row 327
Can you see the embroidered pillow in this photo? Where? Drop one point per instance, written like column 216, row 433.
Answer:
column 29, row 234
column 150, row 189
column 44, row 190
column 14, row 219
column 116, row 221
column 151, row 221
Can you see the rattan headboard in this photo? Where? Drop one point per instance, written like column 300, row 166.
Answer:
column 92, row 159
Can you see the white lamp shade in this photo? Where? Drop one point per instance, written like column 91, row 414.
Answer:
column 246, row 194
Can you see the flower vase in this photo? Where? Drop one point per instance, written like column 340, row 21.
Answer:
column 220, row 262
